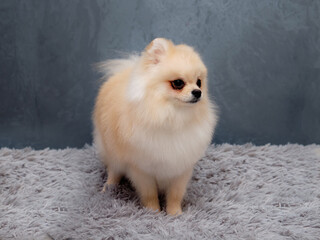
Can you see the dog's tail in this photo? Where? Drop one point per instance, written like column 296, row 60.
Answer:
column 113, row 66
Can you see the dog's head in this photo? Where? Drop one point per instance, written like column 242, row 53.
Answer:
column 171, row 73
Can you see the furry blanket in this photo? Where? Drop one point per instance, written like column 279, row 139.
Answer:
column 237, row 192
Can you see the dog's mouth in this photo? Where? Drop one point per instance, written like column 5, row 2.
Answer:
column 195, row 100
column 188, row 102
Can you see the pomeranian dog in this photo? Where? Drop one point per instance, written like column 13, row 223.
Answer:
column 153, row 121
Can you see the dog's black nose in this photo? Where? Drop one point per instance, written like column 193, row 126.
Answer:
column 196, row 93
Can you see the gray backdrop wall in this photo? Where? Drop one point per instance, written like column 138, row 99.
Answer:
column 263, row 60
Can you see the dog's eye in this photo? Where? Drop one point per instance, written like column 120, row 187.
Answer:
column 177, row 84
column 199, row 83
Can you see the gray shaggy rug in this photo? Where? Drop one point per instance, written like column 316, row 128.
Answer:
column 237, row 192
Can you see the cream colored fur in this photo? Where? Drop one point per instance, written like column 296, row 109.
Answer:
column 148, row 131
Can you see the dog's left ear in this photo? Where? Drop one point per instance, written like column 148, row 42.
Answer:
column 157, row 49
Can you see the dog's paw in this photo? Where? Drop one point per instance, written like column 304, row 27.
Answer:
column 174, row 210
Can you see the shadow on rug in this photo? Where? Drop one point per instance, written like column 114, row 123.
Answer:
column 237, row 192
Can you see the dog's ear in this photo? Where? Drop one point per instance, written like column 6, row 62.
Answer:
column 157, row 49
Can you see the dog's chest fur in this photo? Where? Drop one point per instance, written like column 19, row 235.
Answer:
column 165, row 153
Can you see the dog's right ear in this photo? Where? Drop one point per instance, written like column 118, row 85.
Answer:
column 156, row 50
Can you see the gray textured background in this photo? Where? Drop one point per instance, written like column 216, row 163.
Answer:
column 263, row 60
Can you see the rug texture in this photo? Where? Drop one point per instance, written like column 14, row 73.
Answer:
column 237, row 192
